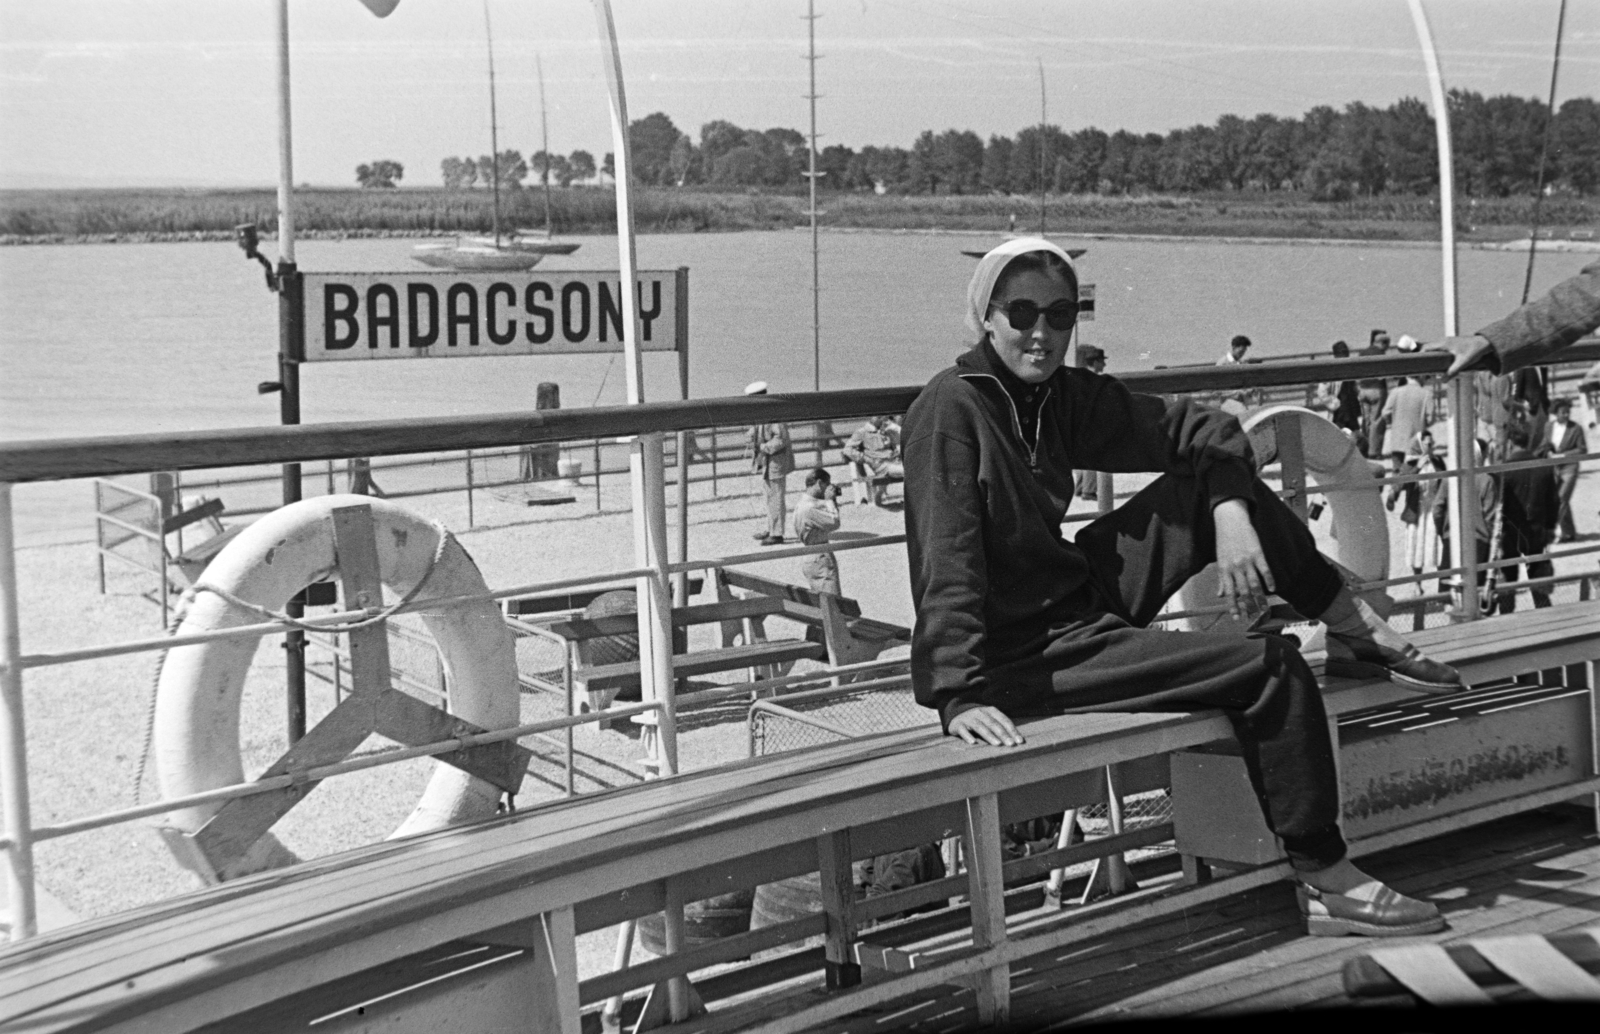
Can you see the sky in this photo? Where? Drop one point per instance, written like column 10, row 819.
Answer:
column 182, row 92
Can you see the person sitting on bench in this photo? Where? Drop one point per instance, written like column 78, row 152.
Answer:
column 875, row 449
column 1013, row 620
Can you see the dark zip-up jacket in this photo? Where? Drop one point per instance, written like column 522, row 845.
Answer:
column 990, row 569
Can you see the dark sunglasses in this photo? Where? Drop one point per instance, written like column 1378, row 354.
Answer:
column 1022, row 314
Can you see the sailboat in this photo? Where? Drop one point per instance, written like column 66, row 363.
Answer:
column 1073, row 252
column 539, row 241
column 501, row 252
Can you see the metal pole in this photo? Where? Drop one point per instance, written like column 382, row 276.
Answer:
column 645, row 465
column 18, row 853
column 290, row 311
column 646, row 474
column 494, row 131
column 285, row 141
column 1463, row 455
column 811, row 17
column 1041, row 148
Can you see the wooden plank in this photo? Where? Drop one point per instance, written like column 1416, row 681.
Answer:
column 837, row 880
column 703, row 662
column 982, row 850
column 413, row 722
column 784, row 590
column 194, row 514
column 578, row 629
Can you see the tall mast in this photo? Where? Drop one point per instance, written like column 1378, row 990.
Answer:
column 811, row 17
column 1041, row 147
column 544, row 143
column 494, row 131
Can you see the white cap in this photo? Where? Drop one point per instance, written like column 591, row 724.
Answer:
column 1407, row 343
column 756, row 388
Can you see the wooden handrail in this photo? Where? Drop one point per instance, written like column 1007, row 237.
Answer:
column 61, row 458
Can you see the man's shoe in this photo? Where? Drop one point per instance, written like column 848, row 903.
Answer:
column 772, row 540
column 1360, row 657
column 1391, row 915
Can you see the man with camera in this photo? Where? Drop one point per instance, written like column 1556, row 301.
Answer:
column 814, row 518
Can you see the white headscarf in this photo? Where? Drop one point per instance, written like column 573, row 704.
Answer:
column 981, row 289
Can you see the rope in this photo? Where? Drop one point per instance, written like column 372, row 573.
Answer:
column 150, row 708
column 188, row 599
column 374, row 615
column 1544, row 152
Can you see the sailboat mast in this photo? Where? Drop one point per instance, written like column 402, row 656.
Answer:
column 544, row 143
column 1042, row 156
column 494, row 131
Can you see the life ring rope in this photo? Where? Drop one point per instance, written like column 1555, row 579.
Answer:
column 374, row 616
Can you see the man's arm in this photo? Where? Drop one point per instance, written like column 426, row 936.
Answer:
column 777, row 441
column 1532, row 333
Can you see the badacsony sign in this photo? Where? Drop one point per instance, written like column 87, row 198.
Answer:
column 353, row 316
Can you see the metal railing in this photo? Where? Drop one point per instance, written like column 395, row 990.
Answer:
column 31, row 461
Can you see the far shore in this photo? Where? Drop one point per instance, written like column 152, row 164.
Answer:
column 176, row 215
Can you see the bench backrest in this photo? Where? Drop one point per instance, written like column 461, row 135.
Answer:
column 577, row 599
column 579, row 629
column 783, row 590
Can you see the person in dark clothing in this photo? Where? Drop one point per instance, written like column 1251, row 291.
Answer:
column 1530, row 504
column 1015, row 621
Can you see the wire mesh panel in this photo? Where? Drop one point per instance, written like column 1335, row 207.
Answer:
column 831, row 718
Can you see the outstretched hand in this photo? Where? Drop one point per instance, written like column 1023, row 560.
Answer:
column 1243, row 577
column 986, row 724
column 1470, row 353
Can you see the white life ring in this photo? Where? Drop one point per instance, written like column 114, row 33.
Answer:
column 196, row 723
column 1360, row 524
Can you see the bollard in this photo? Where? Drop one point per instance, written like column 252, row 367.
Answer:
column 541, row 462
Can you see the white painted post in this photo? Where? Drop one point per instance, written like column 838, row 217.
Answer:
column 645, row 465
column 285, row 140
column 1463, row 455
column 18, row 852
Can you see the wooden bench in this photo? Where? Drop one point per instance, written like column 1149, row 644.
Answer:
column 849, row 637
column 595, row 686
column 558, row 603
column 865, row 485
column 345, row 939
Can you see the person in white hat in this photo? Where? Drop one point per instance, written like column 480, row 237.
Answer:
column 1014, row 620
column 771, row 459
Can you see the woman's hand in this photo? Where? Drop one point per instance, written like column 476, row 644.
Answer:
column 1243, row 577
column 986, row 725
column 1467, row 353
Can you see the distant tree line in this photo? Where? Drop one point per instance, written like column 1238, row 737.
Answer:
column 563, row 169
column 383, row 173
column 1330, row 155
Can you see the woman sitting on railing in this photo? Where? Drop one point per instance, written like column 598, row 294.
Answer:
column 1013, row 620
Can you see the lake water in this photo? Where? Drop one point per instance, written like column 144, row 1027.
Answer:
column 106, row 339
column 129, row 338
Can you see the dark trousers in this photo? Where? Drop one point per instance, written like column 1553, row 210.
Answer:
column 1566, row 482
column 1517, row 542
column 1105, row 658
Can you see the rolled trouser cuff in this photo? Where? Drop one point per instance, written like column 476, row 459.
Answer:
column 1316, row 850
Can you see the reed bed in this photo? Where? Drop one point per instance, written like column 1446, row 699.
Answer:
column 28, row 216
